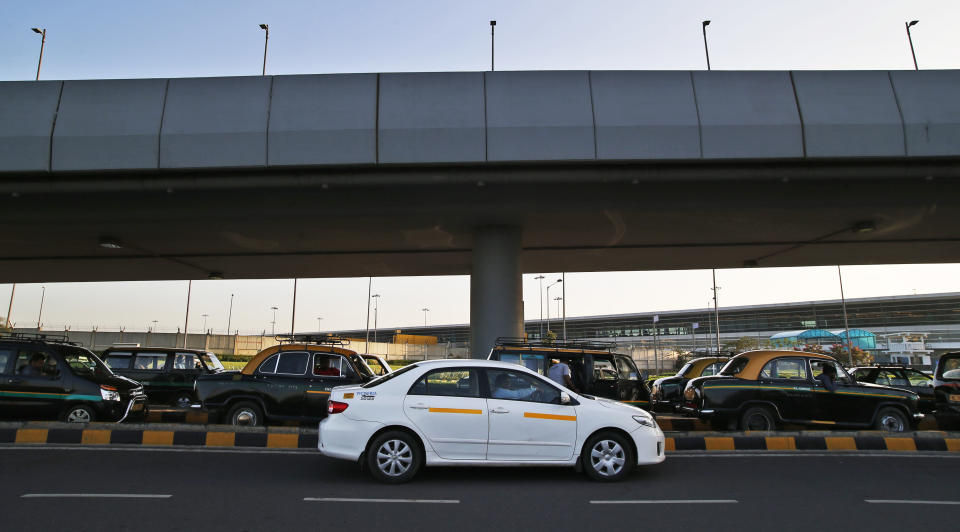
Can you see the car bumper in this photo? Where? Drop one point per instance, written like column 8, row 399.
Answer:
column 341, row 437
column 650, row 444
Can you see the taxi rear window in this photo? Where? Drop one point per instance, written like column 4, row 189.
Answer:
column 736, row 365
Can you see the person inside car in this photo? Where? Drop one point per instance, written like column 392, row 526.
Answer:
column 35, row 367
column 504, row 388
column 322, row 367
column 560, row 374
column 828, row 378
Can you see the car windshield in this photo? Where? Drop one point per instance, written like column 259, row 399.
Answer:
column 83, row 362
column 362, row 366
column 380, row 380
column 735, row 365
column 211, row 361
column 948, row 368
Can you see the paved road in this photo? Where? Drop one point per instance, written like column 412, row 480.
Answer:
column 263, row 490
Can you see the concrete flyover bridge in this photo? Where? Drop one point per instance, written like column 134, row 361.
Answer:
column 482, row 173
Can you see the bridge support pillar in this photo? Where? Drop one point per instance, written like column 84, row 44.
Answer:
column 496, row 302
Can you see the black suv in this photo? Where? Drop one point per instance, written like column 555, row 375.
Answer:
column 286, row 382
column 168, row 374
column 47, row 377
column 902, row 377
column 594, row 366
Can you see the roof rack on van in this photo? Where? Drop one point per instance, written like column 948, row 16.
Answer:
column 583, row 345
column 39, row 337
column 312, row 338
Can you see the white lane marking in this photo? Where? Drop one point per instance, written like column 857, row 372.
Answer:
column 904, row 501
column 412, row 501
column 94, row 496
column 669, row 501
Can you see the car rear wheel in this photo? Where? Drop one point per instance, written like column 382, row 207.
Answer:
column 184, row 400
column 245, row 414
column 607, row 457
column 394, row 457
column 758, row 418
column 891, row 420
column 79, row 414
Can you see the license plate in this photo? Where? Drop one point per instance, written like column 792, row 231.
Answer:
column 137, row 407
column 955, row 398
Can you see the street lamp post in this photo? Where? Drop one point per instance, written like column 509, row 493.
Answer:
column 273, row 324
column 846, row 324
column 716, row 310
column 205, row 323
column 318, row 323
column 548, row 302
column 186, row 318
column 366, row 341
column 376, row 309
column 10, row 306
column 493, row 24
column 541, row 278
column 154, row 326
column 293, row 314
column 425, row 310
column 230, row 315
column 706, row 49
column 563, row 289
column 266, row 39
column 910, row 38
column 43, row 293
column 558, row 299
column 43, row 41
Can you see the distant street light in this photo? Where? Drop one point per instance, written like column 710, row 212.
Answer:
column 558, row 299
column 376, row 309
column 493, row 24
column 273, row 324
column 716, row 310
column 266, row 39
column 10, row 306
column 548, row 302
column 541, row 278
column 230, row 315
column 846, row 324
column 706, row 49
column 43, row 41
column 910, row 38
column 204, row 323
column 318, row 323
column 154, row 326
column 40, row 315
column 186, row 318
column 425, row 310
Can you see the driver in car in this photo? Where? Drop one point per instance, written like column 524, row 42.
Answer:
column 505, row 388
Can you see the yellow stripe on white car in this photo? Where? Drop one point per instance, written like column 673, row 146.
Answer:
column 557, row 417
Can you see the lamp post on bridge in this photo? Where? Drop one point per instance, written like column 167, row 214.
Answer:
column 266, row 39
column 910, row 38
column 43, row 41
column 706, row 49
column 558, row 281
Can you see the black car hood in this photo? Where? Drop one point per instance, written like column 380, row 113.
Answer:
column 111, row 379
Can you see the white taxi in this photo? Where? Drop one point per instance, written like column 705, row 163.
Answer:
column 483, row 412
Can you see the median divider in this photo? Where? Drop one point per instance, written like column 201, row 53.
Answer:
column 227, row 436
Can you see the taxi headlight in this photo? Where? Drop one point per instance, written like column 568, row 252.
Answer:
column 646, row 421
column 109, row 393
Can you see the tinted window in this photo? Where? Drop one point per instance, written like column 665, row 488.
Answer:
column 917, row 378
column 185, row 361
column 627, row 370
column 211, row 361
column 532, row 362
column 889, row 378
column 950, row 369
column 119, row 360
column 449, row 383
column 150, row 361
column 785, row 368
column 5, row 356
column 712, row 369
column 861, row 373
column 603, row 370
column 292, row 363
column 517, row 386
column 269, row 365
column 328, row 365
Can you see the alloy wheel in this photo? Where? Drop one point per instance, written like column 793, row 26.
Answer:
column 607, row 458
column 891, row 423
column 245, row 417
column 78, row 415
column 394, row 458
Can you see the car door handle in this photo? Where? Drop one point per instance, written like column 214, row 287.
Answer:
column 14, row 381
column 499, row 410
column 419, row 407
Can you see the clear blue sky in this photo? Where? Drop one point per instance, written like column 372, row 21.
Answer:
column 129, row 39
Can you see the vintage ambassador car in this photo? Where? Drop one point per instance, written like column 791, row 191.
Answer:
column 667, row 393
column 946, row 385
column 595, row 367
column 483, row 412
column 757, row 390
column 286, row 382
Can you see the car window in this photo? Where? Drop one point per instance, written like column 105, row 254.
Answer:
column 150, row 361
column 785, row 368
column 119, row 360
column 735, row 365
column 5, row 356
column 35, row 363
column 292, row 363
column 888, row 378
column 328, row 365
column 533, row 362
column 517, row 386
column 448, row 383
column 950, row 369
column 861, row 373
column 374, row 364
column 918, row 378
column 627, row 370
column 683, row 371
column 269, row 365
column 389, row 376
column 184, row 361
column 712, row 369
column 603, row 370
column 816, row 368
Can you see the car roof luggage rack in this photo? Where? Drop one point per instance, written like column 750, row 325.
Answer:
column 583, row 345
column 312, row 338
column 39, row 337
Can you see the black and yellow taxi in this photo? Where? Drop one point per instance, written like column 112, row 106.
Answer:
column 166, row 373
column 666, row 394
column 758, row 390
column 48, row 377
column 286, row 382
column 595, row 367
column 903, row 377
column 946, row 388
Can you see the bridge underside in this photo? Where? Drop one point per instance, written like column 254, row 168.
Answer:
column 422, row 220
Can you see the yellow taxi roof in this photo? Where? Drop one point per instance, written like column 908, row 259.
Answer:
column 259, row 357
column 759, row 358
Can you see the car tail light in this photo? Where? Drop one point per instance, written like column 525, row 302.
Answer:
column 335, row 407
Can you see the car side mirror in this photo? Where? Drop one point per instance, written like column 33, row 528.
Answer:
column 564, row 398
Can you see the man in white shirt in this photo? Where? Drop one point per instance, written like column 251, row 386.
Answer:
column 560, row 374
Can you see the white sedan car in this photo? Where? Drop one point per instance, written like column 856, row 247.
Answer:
column 483, row 412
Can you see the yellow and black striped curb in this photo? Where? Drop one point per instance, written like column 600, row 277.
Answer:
column 814, row 441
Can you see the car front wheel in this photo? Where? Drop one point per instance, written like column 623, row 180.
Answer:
column 891, row 420
column 245, row 414
column 758, row 418
column 79, row 414
column 607, row 457
column 394, row 457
